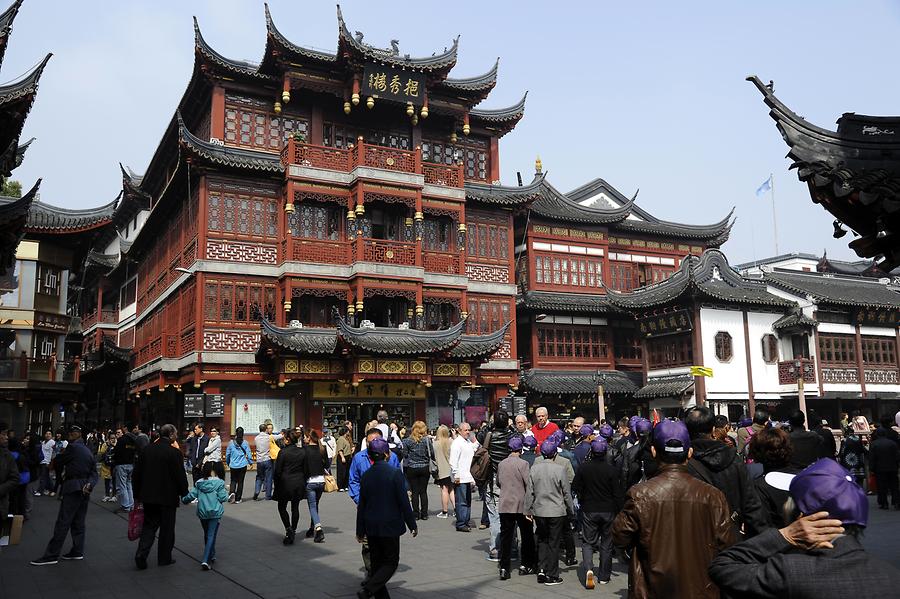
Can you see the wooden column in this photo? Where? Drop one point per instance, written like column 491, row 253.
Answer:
column 202, row 224
column 861, row 373
column 495, row 159
column 217, row 114
column 750, row 395
column 316, row 126
column 284, row 229
column 199, row 296
column 818, row 359
column 699, row 381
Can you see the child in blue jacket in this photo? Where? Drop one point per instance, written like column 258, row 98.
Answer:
column 210, row 494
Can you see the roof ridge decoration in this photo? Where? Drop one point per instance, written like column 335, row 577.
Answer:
column 716, row 234
column 25, row 85
column 275, row 35
column 835, row 289
column 12, row 207
column 563, row 302
column 498, row 115
column 222, row 155
column 484, row 82
column 307, row 340
column 586, row 189
column 480, row 346
column 6, row 23
column 708, row 275
column 437, row 62
column 385, row 340
column 795, row 319
column 241, row 67
column 555, row 205
column 671, row 385
column 577, row 382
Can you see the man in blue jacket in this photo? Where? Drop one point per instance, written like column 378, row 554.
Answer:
column 382, row 517
column 358, row 466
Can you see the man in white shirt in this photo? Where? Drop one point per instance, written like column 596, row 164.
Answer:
column 522, row 426
column 47, row 445
column 461, row 453
column 264, row 465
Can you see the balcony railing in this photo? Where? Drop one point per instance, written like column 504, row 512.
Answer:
column 39, row 369
column 442, row 262
column 789, row 371
column 321, row 251
column 402, row 253
column 372, row 156
column 104, row 316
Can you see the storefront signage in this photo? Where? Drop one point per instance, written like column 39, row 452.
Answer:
column 366, row 390
column 394, row 84
column 193, row 405
column 215, row 405
column 51, row 322
column 876, row 317
column 669, row 323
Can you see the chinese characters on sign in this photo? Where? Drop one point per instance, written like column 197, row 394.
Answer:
column 876, row 317
column 367, row 390
column 393, row 84
column 665, row 324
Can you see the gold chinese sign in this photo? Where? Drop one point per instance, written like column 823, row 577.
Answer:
column 665, row 324
column 390, row 83
column 368, row 390
column 877, row 317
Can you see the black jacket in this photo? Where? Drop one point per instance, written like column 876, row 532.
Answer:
column 76, row 462
column 126, row 449
column 773, row 499
column 498, row 446
column 829, row 445
column 315, row 461
column 290, row 473
column 884, row 455
column 767, row 567
column 159, row 477
column 384, row 509
column 807, row 448
column 195, row 455
column 719, row 465
column 637, row 463
column 9, row 479
column 598, row 486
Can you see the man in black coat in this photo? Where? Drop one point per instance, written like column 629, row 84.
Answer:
column 159, row 483
column 9, row 473
column 819, row 426
column 717, row 464
column 196, row 450
column 807, row 444
column 79, row 472
column 382, row 516
column 884, row 459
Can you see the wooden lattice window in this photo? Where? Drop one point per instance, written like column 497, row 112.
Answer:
column 233, row 302
column 238, row 211
column 487, row 315
column 569, row 271
column 837, row 349
column 724, row 349
column 626, row 344
column 438, row 234
column 316, row 221
column 670, row 351
column 879, row 351
column 473, row 153
column 337, row 135
column 770, row 348
column 578, row 343
column 249, row 123
column 488, row 241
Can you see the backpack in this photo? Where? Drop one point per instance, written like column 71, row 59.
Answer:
column 481, row 462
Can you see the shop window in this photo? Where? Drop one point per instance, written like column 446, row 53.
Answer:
column 770, row 349
column 724, row 349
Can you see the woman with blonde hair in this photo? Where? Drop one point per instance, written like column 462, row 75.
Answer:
column 442, row 457
column 417, row 452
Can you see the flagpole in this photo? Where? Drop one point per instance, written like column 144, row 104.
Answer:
column 774, row 218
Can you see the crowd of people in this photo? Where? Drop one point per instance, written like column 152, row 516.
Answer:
column 693, row 506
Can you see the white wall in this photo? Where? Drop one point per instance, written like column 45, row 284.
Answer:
column 765, row 376
column 729, row 379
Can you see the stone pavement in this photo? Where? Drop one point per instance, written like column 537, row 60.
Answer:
column 252, row 562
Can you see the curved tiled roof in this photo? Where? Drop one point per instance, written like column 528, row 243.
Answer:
column 279, row 39
column 26, row 85
column 6, row 22
column 794, row 320
column 239, row 67
column 443, row 61
column 47, row 217
column 384, row 340
column 302, row 341
column 103, row 261
column 666, row 386
column 505, row 195
column 717, row 231
column 228, row 156
column 479, row 346
column 710, row 276
column 837, row 290
column 555, row 205
column 500, row 115
column 479, row 83
column 578, row 382
column 563, row 302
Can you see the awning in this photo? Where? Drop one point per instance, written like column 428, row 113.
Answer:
column 666, row 386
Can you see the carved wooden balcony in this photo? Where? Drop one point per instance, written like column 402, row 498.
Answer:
column 443, row 262
column 321, row 251
column 788, row 372
column 401, row 253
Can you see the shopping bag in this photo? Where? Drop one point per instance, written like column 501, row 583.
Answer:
column 330, row 484
column 135, row 522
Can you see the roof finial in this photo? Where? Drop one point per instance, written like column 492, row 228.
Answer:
column 538, row 165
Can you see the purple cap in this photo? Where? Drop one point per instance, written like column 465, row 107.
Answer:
column 826, row 486
column 670, row 430
column 529, row 442
column 744, row 422
column 606, row 431
column 585, row 430
column 643, row 426
column 632, row 421
column 599, row 445
column 558, row 435
column 549, row 447
column 378, row 445
column 515, row 443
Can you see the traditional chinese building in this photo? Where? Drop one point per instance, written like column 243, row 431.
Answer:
column 852, row 172
column 308, row 250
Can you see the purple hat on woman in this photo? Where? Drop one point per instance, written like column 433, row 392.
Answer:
column 599, row 445
column 826, row 486
column 549, row 447
column 529, row 442
column 643, row 426
column 558, row 435
column 632, row 421
column 606, row 431
column 586, row 430
column 515, row 443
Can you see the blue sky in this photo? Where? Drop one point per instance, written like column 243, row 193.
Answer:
column 647, row 95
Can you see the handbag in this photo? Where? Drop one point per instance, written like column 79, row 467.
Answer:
column 330, row 484
column 135, row 522
column 432, row 462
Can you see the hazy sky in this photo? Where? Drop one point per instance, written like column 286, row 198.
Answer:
column 645, row 95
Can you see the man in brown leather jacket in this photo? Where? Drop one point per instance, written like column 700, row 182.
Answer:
column 673, row 524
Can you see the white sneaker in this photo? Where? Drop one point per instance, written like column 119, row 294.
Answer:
column 231, row 498
column 195, row 501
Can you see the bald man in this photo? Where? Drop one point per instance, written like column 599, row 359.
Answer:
column 522, row 426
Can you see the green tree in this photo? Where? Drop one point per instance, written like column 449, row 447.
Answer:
column 11, row 189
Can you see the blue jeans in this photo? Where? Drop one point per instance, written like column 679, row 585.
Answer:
column 463, row 494
column 491, row 499
column 264, row 471
column 313, row 494
column 123, row 486
column 210, row 531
